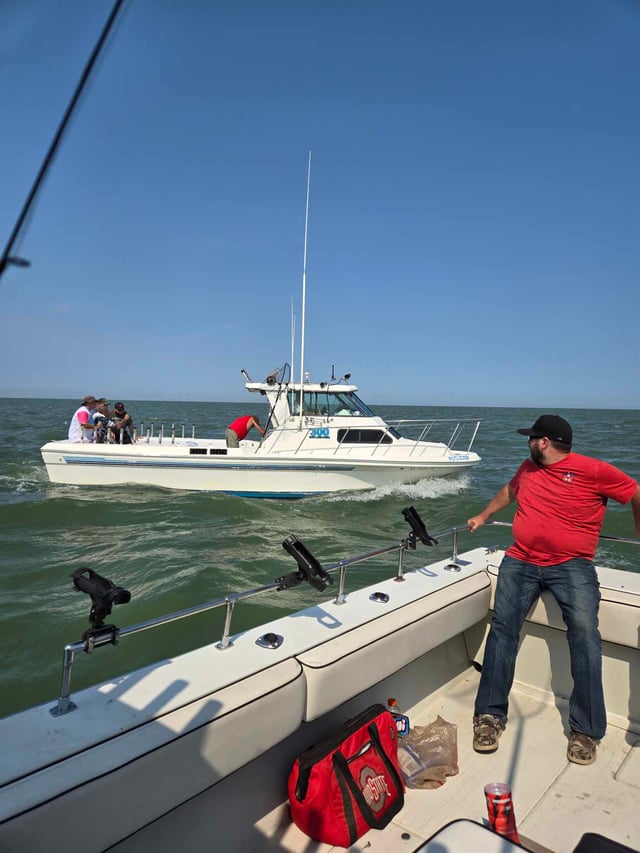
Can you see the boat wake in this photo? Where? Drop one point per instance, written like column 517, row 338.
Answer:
column 427, row 489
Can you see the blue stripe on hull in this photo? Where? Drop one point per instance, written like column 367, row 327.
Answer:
column 90, row 460
column 288, row 496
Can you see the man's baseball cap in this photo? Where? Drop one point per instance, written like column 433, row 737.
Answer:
column 550, row 426
column 89, row 399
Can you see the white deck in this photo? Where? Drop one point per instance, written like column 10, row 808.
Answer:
column 555, row 802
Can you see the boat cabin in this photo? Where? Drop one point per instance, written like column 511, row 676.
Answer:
column 319, row 400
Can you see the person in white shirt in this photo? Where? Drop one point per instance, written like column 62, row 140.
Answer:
column 81, row 426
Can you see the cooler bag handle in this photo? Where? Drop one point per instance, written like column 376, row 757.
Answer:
column 341, row 765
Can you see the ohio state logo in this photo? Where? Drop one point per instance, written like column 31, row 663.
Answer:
column 374, row 788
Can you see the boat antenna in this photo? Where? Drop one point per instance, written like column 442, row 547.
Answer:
column 7, row 258
column 293, row 331
column 304, row 290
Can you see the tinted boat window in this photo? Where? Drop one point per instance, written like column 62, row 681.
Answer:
column 363, row 436
column 328, row 404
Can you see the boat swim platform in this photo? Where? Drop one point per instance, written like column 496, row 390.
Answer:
column 555, row 802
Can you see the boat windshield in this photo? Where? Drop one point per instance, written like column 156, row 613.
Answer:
column 328, row 404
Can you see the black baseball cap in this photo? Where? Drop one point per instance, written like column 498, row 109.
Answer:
column 550, row 426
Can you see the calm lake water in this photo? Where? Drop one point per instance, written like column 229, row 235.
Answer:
column 173, row 550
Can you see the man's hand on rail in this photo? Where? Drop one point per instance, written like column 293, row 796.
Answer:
column 502, row 499
column 475, row 522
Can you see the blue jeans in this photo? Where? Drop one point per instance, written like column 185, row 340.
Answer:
column 575, row 586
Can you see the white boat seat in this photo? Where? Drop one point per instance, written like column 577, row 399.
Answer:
column 177, row 755
column 619, row 615
column 465, row 835
column 352, row 662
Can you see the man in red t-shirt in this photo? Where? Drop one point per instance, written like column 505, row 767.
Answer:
column 237, row 431
column 561, row 497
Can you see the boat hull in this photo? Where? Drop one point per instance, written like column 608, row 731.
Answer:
column 243, row 471
column 203, row 742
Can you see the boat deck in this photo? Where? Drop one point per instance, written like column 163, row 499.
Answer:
column 555, row 802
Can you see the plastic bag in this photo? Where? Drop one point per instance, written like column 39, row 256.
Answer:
column 428, row 754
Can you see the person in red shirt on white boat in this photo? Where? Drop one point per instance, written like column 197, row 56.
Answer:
column 561, row 500
column 238, row 430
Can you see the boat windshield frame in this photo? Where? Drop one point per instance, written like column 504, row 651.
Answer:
column 328, row 403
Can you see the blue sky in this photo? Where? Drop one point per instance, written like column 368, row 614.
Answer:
column 475, row 199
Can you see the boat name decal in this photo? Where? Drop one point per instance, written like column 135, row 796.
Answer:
column 319, row 432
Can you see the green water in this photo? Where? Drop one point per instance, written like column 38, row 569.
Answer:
column 173, row 550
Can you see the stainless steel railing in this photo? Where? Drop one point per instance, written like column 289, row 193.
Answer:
column 110, row 635
column 457, row 428
column 450, row 431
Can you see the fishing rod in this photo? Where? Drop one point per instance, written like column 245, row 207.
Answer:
column 8, row 259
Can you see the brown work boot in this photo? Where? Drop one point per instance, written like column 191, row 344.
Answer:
column 486, row 732
column 581, row 748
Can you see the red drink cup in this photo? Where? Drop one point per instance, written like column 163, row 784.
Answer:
column 502, row 818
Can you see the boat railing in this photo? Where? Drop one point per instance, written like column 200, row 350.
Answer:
column 453, row 432
column 175, row 432
column 161, row 435
column 464, row 430
column 104, row 593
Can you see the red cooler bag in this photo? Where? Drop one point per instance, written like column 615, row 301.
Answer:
column 349, row 783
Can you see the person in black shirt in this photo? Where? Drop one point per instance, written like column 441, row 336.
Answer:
column 123, row 430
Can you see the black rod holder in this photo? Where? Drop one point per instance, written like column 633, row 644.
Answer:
column 309, row 569
column 418, row 529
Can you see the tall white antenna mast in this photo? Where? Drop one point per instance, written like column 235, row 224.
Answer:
column 304, row 291
column 293, row 338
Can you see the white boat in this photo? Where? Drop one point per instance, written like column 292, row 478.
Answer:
column 320, row 437
column 193, row 753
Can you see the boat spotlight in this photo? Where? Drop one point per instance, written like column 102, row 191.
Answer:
column 104, row 594
column 418, row 530
column 309, row 569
